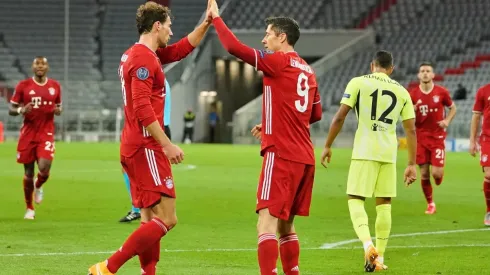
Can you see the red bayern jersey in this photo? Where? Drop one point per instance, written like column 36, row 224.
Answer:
column 430, row 109
column 143, row 91
column 39, row 122
column 482, row 105
column 290, row 100
column 290, row 90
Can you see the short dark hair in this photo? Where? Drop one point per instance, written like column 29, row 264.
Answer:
column 384, row 59
column 287, row 25
column 149, row 13
column 426, row 63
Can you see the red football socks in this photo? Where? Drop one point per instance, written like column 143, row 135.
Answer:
column 427, row 188
column 28, row 192
column 142, row 239
column 289, row 248
column 486, row 191
column 149, row 258
column 268, row 254
column 41, row 179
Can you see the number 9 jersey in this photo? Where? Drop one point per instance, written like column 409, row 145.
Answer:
column 379, row 102
column 290, row 103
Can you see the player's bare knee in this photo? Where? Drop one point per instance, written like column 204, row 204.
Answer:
column 44, row 167
column 171, row 221
column 437, row 173
column 424, row 172
column 267, row 223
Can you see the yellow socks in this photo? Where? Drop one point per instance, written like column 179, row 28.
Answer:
column 383, row 227
column 359, row 219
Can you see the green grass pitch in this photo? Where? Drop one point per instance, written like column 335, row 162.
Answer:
column 76, row 225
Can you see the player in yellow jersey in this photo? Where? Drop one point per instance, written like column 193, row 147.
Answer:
column 379, row 102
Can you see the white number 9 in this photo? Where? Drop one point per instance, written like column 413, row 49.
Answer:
column 302, row 92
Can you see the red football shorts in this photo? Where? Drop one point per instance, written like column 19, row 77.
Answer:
column 31, row 151
column 285, row 187
column 431, row 151
column 150, row 177
column 485, row 153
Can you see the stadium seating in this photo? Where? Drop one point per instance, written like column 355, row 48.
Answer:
column 447, row 34
column 119, row 32
column 22, row 39
column 452, row 34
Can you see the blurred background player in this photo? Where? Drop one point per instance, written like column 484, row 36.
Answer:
column 378, row 102
column 482, row 107
column 290, row 104
column 429, row 102
column 146, row 152
column 189, row 118
column 38, row 99
column 134, row 213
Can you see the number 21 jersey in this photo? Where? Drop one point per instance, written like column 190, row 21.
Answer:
column 379, row 102
column 290, row 90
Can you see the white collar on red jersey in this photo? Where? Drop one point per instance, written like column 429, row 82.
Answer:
column 40, row 84
column 432, row 88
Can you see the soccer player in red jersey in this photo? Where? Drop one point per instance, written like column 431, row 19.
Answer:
column 290, row 104
column 146, row 152
column 38, row 99
column 482, row 107
column 429, row 102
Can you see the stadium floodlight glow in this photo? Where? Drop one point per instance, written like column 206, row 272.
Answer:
column 204, row 93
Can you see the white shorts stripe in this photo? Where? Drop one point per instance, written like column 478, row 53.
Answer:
column 266, row 184
column 152, row 165
column 155, row 167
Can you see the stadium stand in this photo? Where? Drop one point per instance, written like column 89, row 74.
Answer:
column 311, row 14
column 119, row 32
column 451, row 34
column 46, row 26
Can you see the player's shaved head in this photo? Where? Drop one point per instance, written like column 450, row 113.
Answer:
column 383, row 59
column 149, row 13
column 285, row 25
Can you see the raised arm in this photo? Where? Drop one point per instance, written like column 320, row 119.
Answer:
column 183, row 47
column 267, row 61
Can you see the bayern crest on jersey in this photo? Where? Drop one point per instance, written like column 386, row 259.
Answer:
column 436, row 98
column 52, row 91
column 169, row 183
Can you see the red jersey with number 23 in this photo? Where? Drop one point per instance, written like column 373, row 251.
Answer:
column 38, row 124
column 143, row 91
column 430, row 110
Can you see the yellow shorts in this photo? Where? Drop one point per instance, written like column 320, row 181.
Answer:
column 368, row 178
